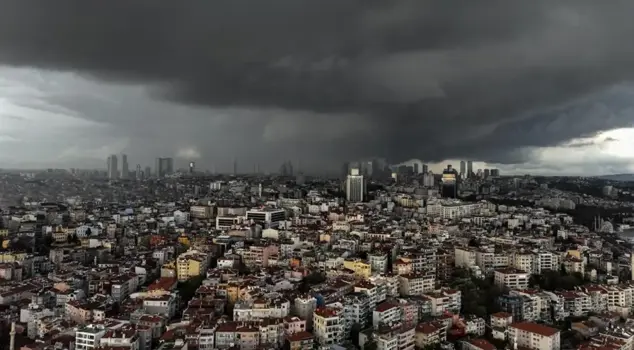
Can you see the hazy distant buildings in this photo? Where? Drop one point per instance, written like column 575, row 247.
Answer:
column 428, row 179
column 192, row 167
column 495, row 172
column 487, row 173
column 113, row 168
column 355, row 186
column 463, row 168
column 163, row 167
column 139, row 173
column 470, row 169
column 416, row 169
column 286, row 169
column 148, row 172
column 125, row 171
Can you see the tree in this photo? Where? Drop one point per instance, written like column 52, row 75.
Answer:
column 187, row 289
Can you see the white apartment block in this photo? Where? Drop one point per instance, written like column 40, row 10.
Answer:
column 522, row 261
column 386, row 313
column 378, row 262
column 465, row 257
column 417, row 284
column 511, row 278
column 328, row 326
column 545, row 261
column 533, row 336
column 89, row 337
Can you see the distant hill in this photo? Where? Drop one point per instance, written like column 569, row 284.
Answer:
column 618, row 177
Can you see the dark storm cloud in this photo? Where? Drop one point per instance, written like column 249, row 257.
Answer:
column 430, row 79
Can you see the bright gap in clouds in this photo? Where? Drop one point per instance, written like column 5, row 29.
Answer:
column 620, row 142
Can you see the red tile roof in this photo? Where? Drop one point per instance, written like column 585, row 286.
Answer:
column 535, row 328
column 482, row 344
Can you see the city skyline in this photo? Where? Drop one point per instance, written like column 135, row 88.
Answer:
column 558, row 96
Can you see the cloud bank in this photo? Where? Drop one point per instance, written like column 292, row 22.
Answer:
column 337, row 79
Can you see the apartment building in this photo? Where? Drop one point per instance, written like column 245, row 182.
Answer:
column 328, row 326
column 533, row 336
column 385, row 313
column 417, row 284
column 192, row 263
column 89, row 337
column 511, row 278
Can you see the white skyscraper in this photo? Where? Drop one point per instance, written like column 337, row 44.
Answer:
column 113, row 168
column 125, row 171
column 355, row 186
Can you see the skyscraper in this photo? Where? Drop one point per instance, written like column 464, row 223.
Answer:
column 139, row 173
column 487, row 173
column 470, row 169
column 157, row 167
column 192, row 167
column 449, row 182
column 463, row 168
column 425, row 168
column 148, row 172
column 125, row 171
column 163, row 167
column 345, row 169
column 113, row 168
column 355, row 186
column 416, row 170
column 169, row 165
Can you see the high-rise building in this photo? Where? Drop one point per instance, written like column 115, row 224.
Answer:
column 449, row 182
column 425, row 168
column 169, row 164
column 345, row 169
column 470, row 169
column 125, row 171
column 139, row 173
column 487, row 173
column 355, row 186
column 192, row 167
column 163, row 167
column 428, row 179
column 148, row 172
column 495, row 172
column 113, row 168
column 416, row 169
column 157, row 167
column 463, row 168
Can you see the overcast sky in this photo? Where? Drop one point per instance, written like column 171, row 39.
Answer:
column 529, row 87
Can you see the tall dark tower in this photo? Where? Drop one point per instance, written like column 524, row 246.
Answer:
column 449, row 182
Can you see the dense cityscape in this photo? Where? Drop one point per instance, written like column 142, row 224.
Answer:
column 381, row 257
